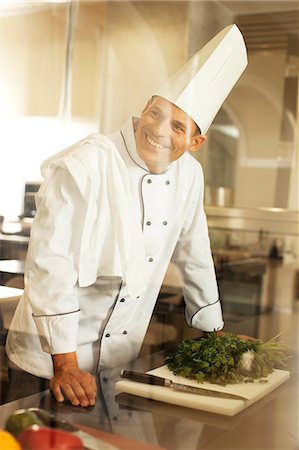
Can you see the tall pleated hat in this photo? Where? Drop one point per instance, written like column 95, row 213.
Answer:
column 201, row 86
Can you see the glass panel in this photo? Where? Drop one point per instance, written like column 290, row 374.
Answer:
column 49, row 87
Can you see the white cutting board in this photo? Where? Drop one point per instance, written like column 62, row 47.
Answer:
column 229, row 407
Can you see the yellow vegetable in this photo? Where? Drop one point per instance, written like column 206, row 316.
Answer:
column 8, row 442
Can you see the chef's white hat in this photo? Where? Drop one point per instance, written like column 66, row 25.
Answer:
column 200, row 87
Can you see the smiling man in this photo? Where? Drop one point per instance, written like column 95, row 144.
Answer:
column 111, row 214
column 164, row 133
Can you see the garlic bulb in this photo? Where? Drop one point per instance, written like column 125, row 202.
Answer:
column 246, row 361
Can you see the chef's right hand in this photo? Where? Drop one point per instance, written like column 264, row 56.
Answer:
column 69, row 381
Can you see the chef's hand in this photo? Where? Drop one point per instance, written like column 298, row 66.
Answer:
column 69, row 381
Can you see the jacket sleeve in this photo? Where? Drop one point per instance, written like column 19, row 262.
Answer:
column 50, row 271
column 194, row 260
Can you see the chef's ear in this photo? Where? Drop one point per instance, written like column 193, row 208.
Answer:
column 196, row 142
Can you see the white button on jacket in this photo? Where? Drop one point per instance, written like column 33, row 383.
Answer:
column 95, row 267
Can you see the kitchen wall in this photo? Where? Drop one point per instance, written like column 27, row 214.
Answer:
column 38, row 116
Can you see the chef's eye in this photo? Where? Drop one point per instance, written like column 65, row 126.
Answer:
column 155, row 114
column 177, row 127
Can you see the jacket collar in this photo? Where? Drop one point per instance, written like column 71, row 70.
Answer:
column 128, row 135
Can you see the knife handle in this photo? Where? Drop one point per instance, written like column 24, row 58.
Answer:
column 142, row 377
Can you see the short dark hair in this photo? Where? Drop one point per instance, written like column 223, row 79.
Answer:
column 198, row 130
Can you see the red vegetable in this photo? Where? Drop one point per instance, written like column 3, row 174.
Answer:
column 43, row 438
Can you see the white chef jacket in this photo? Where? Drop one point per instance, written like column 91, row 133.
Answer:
column 80, row 293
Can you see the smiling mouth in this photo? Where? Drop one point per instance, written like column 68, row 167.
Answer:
column 154, row 143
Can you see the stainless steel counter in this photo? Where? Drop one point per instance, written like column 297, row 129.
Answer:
column 271, row 423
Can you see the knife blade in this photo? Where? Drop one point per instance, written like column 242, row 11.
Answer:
column 159, row 381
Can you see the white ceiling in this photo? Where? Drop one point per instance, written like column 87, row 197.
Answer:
column 236, row 7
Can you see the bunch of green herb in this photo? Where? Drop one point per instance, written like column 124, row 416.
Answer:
column 226, row 359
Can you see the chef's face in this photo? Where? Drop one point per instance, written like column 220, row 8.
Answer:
column 164, row 133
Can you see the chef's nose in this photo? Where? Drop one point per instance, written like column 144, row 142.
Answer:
column 162, row 128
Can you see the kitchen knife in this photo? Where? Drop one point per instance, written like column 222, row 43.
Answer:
column 90, row 442
column 159, row 381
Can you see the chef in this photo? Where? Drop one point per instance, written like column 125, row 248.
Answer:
column 112, row 213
